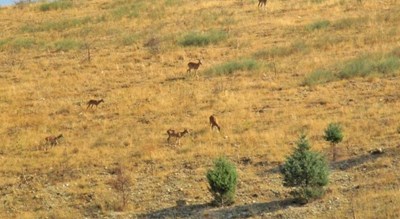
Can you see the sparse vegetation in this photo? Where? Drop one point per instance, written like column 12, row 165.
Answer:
column 67, row 44
column 222, row 180
column 203, row 39
column 283, row 51
column 56, row 5
column 363, row 66
column 231, row 67
column 122, row 185
column 306, row 171
column 59, row 25
column 317, row 25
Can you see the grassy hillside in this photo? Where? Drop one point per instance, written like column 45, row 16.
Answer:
column 268, row 76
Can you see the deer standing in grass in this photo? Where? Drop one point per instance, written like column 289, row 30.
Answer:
column 262, row 3
column 52, row 140
column 214, row 123
column 195, row 66
column 92, row 103
column 178, row 135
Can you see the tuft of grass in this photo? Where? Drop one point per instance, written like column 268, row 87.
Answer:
column 67, row 44
column 23, row 43
column 129, row 39
column 317, row 25
column 203, row 39
column 231, row 67
column 3, row 42
column 55, row 5
column 347, row 23
column 319, row 76
column 360, row 67
column 281, row 51
column 173, row 2
column 56, row 26
column 131, row 10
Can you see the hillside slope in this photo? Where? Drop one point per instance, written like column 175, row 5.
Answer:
column 268, row 76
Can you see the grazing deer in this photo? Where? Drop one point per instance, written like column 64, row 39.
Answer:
column 194, row 65
column 92, row 103
column 177, row 135
column 52, row 140
column 262, row 3
column 214, row 123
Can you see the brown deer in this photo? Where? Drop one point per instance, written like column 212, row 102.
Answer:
column 92, row 103
column 194, row 65
column 52, row 140
column 214, row 123
column 177, row 135
column 262, row 3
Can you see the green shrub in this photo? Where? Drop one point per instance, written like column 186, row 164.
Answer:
column 129, row 39
column 56, row 5
column 56, row 25
column 281, row 51
column 318, row 25
column 306, row 171
column 203, row 39
column 368, row 65
column 173, row 2
column 346, row 23
column 23, row 43
column 376, row 64
column 67, row 44
column 233, row 66
column 222, row 180
column 333, row 134
column 318, row 76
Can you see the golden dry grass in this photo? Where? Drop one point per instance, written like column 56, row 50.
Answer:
column 139, row 68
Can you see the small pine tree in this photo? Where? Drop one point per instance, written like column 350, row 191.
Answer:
column 307, row 171
column 222, row 180
column 333, row 134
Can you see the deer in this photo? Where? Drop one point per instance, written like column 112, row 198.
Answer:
column 92, row 103
column 178, row 135
column 262, row 3
column 194, row 65
column 52, row 140
column 214, row 123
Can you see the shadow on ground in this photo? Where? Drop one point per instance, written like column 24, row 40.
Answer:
column 207, row 211
column 355, row 161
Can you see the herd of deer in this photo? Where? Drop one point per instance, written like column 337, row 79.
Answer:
column 54, row 140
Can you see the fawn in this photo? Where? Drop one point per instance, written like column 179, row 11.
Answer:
column 52, row 140
column 214, row 123
column 92, row 103
column 177, row 135
column 195, row 66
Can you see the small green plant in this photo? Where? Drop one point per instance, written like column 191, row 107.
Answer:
column 56, row 5
column 203, row 39
column 67, row 44
column 282, row 51
column 230, row 67
column 317, row 77
column 222, row 180
column 333, row 134
column 60, row 25
column 307, row 171
column 317, row 25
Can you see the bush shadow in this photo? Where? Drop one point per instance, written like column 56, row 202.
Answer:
column 355, row 161
column 199, row 210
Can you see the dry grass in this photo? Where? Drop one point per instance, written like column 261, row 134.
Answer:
column 138, row 66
